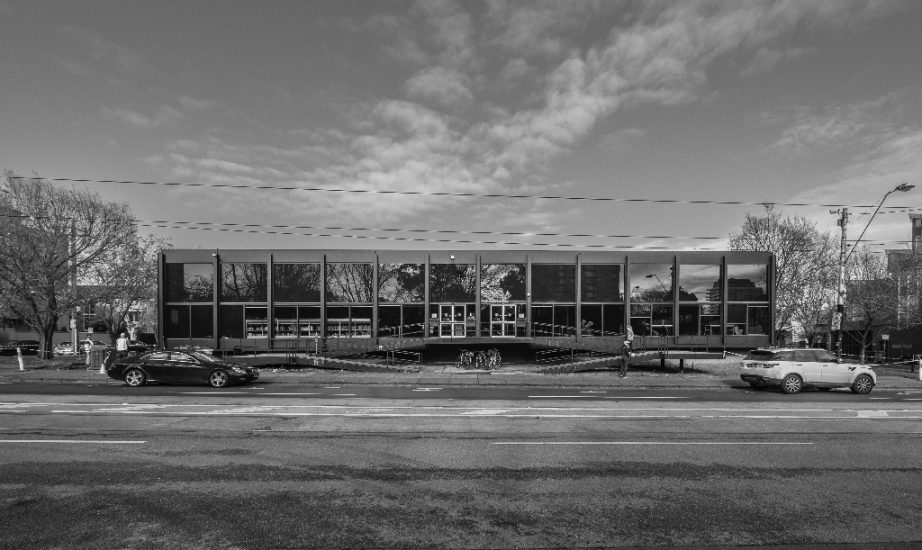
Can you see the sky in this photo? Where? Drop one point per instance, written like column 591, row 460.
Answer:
column 440, row 124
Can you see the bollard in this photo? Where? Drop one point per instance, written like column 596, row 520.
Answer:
column 919, row 369
column 19, row 357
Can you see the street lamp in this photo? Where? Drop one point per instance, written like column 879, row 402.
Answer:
column 903, row 188
column 843, row 260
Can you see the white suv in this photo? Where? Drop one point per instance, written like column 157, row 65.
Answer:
column 792, row 369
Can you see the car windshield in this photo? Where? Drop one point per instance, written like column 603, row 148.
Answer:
column 204, row 357
column 760, row 355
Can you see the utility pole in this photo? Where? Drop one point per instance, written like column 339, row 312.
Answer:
column 838, row 316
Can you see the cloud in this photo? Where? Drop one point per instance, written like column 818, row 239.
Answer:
column 443, row 86
column 163, row 116
column 767, row 58
column 660, row 56
column 106, row 50
column 192, row 104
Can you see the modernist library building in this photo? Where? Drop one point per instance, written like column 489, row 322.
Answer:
column 290, row 299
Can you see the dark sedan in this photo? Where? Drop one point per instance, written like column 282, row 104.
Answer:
column 180, row 367
column 28, row 347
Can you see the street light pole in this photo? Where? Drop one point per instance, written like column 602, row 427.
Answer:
column 844, row 255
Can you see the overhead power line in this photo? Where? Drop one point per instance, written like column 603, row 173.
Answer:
column 270, row 187
column 404, row 239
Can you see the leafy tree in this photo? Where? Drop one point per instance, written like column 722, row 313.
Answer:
column 50, row 236
column 125, row 278
column 805, row 269
column 871, row 300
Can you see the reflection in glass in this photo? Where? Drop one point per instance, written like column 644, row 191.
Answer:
column 699, row 283
column 601, row 283
column 189, row 282
column 243, row 282
column 350, row 282
column 453, row 283
column 400, row 283
column 502, row 282
column 699, row 320
column 652, row 320
column 296, row 282
column 747, row 283
column 553, row 282
column 651, row 282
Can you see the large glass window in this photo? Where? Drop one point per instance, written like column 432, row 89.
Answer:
column 652, row 320
column 243, row 282
column 602, row 319
column 743, row 319
column 189, row 321
column 350, row 283
column 747, row 283
column 502, row 282
column 699, row 283
column 553, row 282
column 601, row 283
column 296, row 321
column 699, row 320
column 453, row 283
column 651, row 283
column 349, row 322
column 401, row 321
column 559, row 320
column 296, row 282
column 401, row 283
column 189, row 282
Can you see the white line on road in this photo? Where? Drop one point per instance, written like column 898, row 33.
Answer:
column 606, row 397
column 72, row 441
column 649, row 443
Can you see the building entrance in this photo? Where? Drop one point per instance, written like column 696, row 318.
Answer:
column 455, row 320
column 502, row 320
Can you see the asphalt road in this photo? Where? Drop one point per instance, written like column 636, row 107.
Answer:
column 316, row 466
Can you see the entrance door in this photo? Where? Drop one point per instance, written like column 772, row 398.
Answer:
column 451, row 321
column 502, row 320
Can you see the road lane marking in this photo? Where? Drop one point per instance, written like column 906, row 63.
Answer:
column 603, row 397
column 72, row 441
column 650, row 443
column 428, row 389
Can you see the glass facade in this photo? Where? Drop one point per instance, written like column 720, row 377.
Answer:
column 244, row 282
column 453, row 283
column 247, row 297
column 350, row 282
column 189, row 282
column 296, row 282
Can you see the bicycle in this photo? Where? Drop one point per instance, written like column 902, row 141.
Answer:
column 465, row 360
column 480, row 360
column 494, row 359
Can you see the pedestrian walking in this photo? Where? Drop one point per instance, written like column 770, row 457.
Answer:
column 625, row 357
column 88, row 347
column 121, row 346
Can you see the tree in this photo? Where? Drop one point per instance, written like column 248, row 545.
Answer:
column 125, row 278
column 805, row 269
column 872, row 298
column 50, row 236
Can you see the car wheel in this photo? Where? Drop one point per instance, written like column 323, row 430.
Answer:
column 218, row 379
column 135, row 378
column 863, row 384
column 792, row 384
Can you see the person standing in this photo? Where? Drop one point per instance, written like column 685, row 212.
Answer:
column 88, row 348
column 625, row 357
column 121, row 347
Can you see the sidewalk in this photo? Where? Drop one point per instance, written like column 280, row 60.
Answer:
column 645, row 376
